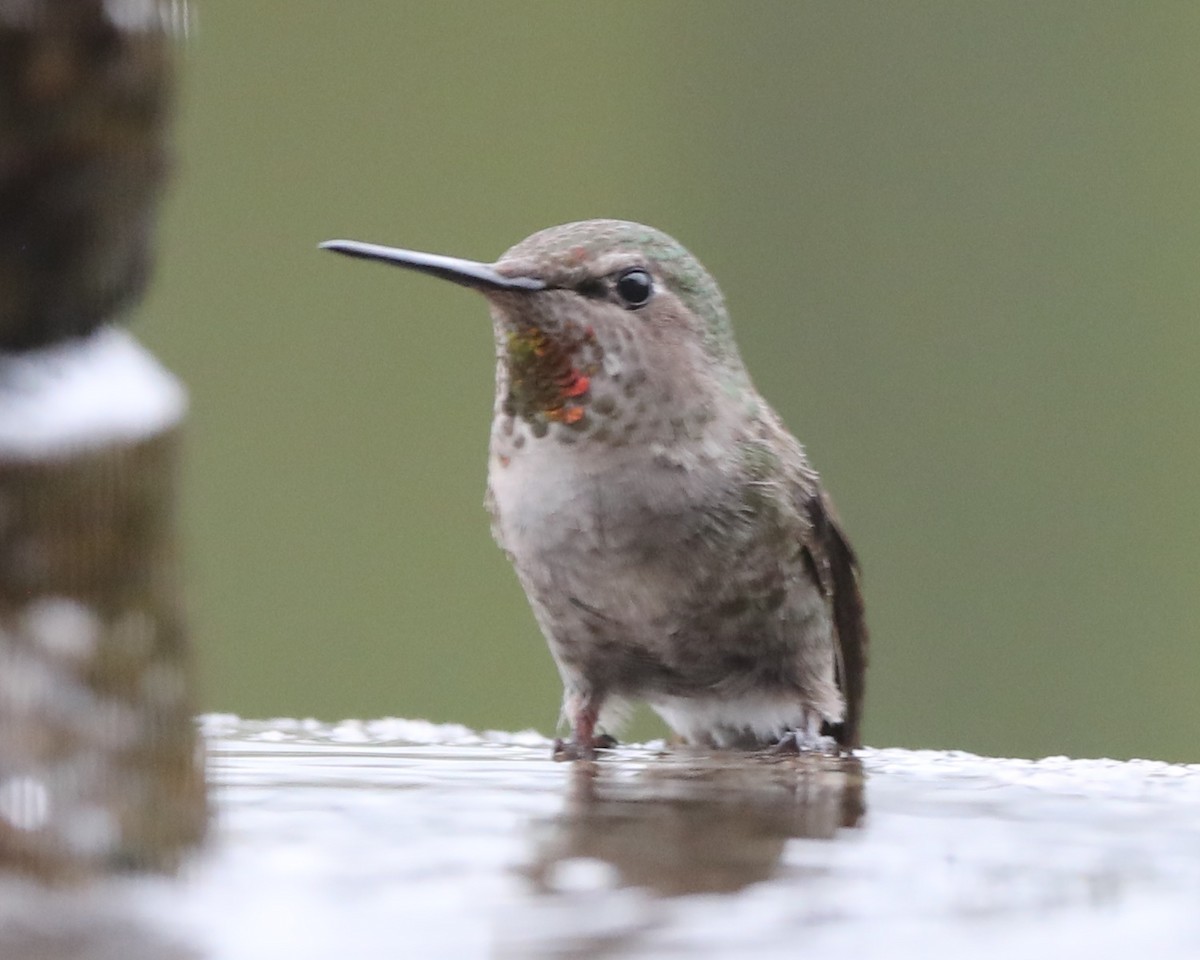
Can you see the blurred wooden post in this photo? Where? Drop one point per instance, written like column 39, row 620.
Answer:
column 101, row 767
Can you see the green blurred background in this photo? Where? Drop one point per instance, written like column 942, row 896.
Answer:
column 961, row 245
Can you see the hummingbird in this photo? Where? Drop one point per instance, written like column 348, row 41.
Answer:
column 675, row 544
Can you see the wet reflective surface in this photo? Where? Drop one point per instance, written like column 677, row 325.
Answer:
column 398, row 838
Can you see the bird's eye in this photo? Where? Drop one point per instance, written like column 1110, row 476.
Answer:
column 635, row 287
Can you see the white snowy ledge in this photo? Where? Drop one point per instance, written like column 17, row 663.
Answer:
column 90, row 392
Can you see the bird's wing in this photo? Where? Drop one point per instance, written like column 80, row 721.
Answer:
column 835, row 568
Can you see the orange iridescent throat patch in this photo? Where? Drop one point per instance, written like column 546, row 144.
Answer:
column 544, row 381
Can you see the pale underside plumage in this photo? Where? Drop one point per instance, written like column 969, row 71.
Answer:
column 655, row 580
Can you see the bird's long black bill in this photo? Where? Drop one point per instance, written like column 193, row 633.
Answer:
column 468, row 273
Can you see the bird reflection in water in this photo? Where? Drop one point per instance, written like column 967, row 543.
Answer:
column 695, row 822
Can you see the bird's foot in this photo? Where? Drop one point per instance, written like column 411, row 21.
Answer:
column 800, row 742
column 575, row 750
column 583, row 710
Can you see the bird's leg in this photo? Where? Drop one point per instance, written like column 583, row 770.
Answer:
column 582, row 711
